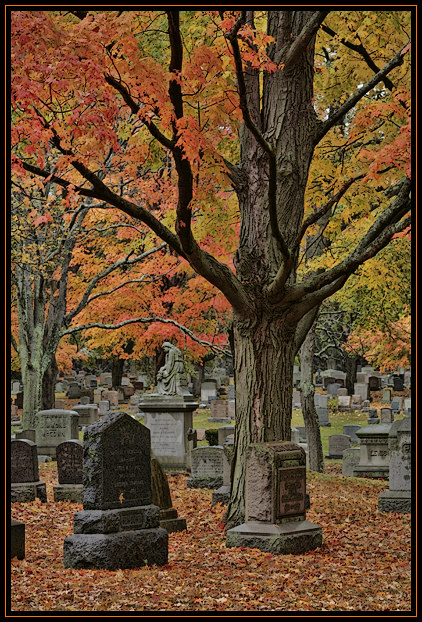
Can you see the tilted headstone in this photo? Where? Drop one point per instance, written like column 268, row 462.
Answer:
column 275, row 502
column 169, row 519
column 398, row 497
column 69, row 456
column 119, row 525
column 206, row 467
column 337, row 443
column 53, row 427
column 26, row 484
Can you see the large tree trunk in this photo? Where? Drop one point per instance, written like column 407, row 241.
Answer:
column 264, row 362
column 307, row 390
column 48, row 385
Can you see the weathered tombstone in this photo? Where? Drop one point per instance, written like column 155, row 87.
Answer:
column 372, row 414
column 220, row 411
column 302, row 433
column 374, row 453
column 398, row 497
column 231, row 392
column 84, row 400
column 232, row 409
column 275, row 502
column 17, row 539
column 344, row 403
column 374, row 383
column 69, row 455
column 328, row 380
column 387, row 415
column 161, row 496
column 296, row 400
column 88, row 413
column 294, row 435
column 208, row 389
column 28, row 433
column 73, row 391
column 134, row 403
column 222, row 494
column 26, row 485
column 119, row 525
column 206, row 467
column 53, row 427
column 351, row 458
column 341, row 392
column 407, row 405
column 350, row 429
column 112, row 397
column 137, row 385
column 19, row 399
column 104, row 407
column 332, row 389
column 386, row 396
column 337, row 443
column 361, row 388
column 356, row 402
column 223, row 432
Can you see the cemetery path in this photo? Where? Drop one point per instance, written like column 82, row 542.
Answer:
column 364, row 563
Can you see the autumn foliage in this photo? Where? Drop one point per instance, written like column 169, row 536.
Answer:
column 364, row 563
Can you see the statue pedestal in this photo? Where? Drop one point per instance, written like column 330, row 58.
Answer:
column 169, row 418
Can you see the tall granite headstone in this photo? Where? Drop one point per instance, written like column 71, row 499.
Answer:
column 275, row 503
column 119, row 525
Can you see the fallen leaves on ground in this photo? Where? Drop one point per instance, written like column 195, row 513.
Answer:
column 363, row 564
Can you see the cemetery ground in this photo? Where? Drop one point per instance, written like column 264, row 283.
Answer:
column 364, row 563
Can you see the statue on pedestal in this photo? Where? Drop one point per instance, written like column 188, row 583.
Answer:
column 171, row 378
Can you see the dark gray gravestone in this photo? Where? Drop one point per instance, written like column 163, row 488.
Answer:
column 374, row 383
column 26, row 485
column 17, row 539
column 119, row 525
column 69, row 455
column 398, row 383
column 169, row 519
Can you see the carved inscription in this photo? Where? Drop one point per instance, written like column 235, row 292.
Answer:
column 291, row 491
column 166, row 435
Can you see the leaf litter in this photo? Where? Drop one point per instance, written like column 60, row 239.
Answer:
column 364, row 563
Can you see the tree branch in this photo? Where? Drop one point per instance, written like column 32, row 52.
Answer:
column 360, row 49
column 301, row 42
column 325, row 126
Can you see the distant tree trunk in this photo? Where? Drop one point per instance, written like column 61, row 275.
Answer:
column 351, row 367
column 48, row 385
column 116, row 372
column 307, row 390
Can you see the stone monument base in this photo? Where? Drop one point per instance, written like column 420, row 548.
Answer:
column 395, row 501
column 29, row 491
column 112, row 551
column 374, row 472
column 170, row 521
column 68, row 492
column 221, row 495
column 293, row 538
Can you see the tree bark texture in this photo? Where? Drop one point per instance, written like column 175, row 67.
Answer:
column 307, row 391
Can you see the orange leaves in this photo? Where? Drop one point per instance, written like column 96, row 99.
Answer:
column 364, row 563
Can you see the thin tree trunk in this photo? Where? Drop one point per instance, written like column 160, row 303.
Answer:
column 307, row 390
column 351, row 368
column 48, row 385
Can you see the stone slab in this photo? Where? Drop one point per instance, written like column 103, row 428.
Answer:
column 292, row 538
column 111, row 551
column 17, row 539
column 395, row 501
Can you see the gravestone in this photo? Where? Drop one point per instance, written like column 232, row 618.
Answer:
column 296, row 400
column 350, row 429
column 222, row 494
column 294, row 435
column 73, row 391
column 341, row 392
column 220, row 411
column 356, row 403
column 407, row 406
column 374, row 383
column 318, row 379
column 232, row 409
column 351, row 459
column 19, row 400
column 112, row 397
column 337, row 443
column 372, row 415
column 84, row 400
column 398, row 497
column 134, row 403
column 17, row 539
column 137, row 385
column 387, row 415
column 302, row 433
column 223, row 432
column 332, row 389
column 88, row 413
column 69, row 456
column 26, row 484
column 321, row 405
column 104, row 407
column 361, row 388
column 119, row 525
column 161, row 496
column 28, row 434
column 231, row 392
column 53, row 427
column 206, row 467
column 344, row 403
column 398, row 384
column 275, row 502
column 208, row 389
column 374, row 452
column 386, row 396
column 328, row 380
